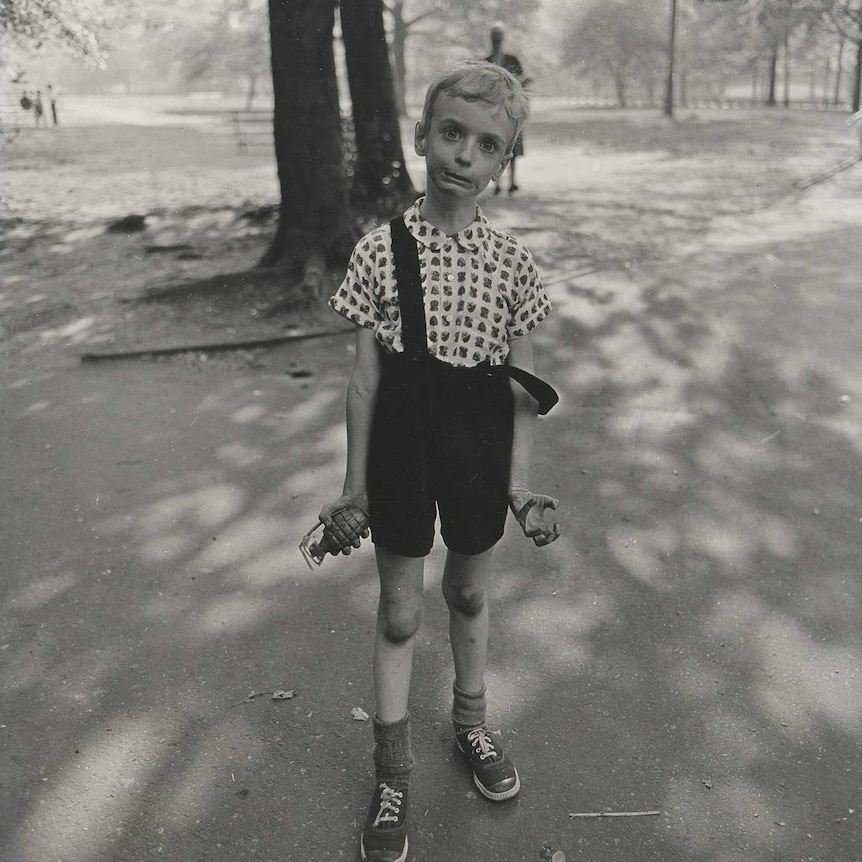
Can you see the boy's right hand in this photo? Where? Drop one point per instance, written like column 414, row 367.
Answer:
column 346, row 521
column 529, row 510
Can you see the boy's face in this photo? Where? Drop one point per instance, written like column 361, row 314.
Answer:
column 464, row 145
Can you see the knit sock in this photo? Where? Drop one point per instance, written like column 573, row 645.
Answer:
column 468, row 709
column 393, row 756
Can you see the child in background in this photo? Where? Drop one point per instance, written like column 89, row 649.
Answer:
column 441, row 411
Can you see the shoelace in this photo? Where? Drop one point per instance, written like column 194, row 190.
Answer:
column 390, row 801
column 482, row 743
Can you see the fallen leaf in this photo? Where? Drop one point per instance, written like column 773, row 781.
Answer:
column 359, row 714
column 283, row 695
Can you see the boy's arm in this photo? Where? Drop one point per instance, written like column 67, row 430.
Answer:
column 361, row 398
column 529, row 508
column 347, row 517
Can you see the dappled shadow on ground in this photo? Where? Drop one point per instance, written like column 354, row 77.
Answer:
column 690, row 645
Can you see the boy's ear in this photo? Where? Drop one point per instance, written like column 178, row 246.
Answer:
column 503, row 163
column 419, row 139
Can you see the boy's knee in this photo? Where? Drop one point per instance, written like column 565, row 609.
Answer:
column 400, row 621
column 466, row 601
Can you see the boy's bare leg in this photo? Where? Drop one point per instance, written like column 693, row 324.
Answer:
column 465, row 582
column 465, row 588
column 399, row 615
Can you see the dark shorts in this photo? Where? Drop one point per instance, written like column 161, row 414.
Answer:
column 441, row 444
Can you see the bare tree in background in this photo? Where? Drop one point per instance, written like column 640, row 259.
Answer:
column 845, row 17
column 233, row 44
column 624, row 44
column 453, row 21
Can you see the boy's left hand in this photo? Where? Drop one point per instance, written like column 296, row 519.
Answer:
column 529, row 510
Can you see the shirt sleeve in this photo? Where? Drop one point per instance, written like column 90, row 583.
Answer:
column 531, row 305
column 356, row 299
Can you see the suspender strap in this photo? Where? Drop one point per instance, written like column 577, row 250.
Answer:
column 542, row 392
column 407, row 276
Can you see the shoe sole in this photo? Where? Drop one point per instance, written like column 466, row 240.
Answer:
column 499, row 797
column 401, row 858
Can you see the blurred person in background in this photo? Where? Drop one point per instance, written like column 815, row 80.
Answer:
column 52, row 102
column 512, row 65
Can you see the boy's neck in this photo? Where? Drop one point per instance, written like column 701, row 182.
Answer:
column 448, row 215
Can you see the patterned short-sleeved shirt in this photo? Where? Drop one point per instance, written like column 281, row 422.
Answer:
column 480, row 285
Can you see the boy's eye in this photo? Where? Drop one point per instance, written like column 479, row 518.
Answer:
column 489, row 146
column 451, row 133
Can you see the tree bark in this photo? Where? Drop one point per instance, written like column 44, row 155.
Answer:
column 839, row 63
column 381, row 181
column 773, row 72
column 399, row 51
column 857, row 78
column 315, row 220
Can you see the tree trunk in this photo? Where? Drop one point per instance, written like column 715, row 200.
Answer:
column 671, row 52
column 786, row 58
column 381, row 179
column 773, row 72
column 620, row 86
column 839, row 63
column 857, row 79
column 315, row 222
column 399, row 50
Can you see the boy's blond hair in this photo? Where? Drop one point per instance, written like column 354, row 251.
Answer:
column 478, row 80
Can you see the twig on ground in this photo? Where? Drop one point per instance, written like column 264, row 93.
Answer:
column 584, row 815
column 220, row 347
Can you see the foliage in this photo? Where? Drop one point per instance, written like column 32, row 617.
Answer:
column 715, row 41
column 845, row 16
column 459, row 23
column 613, row 39
column 233, row 43
column 74, row 25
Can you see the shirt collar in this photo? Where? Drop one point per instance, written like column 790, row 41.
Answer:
column 471, row 237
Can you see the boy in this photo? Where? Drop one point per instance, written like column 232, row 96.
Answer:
column 436, row 423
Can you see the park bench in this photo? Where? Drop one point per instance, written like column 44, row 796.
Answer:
column 251, row 128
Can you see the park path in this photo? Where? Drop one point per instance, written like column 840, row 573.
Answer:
column 691, row 645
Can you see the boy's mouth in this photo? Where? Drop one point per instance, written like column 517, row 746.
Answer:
column 451, row 176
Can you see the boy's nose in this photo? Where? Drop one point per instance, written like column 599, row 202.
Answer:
column 464, row 155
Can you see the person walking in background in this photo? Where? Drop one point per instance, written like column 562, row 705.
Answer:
column 441, row 412
column 26, row 102
column 513, row 66
column 52, row 101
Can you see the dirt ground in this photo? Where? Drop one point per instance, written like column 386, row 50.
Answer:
column 601, row 190
column 691, row 644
